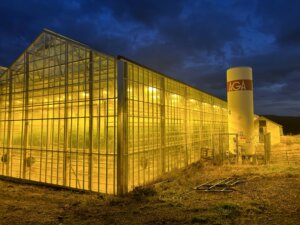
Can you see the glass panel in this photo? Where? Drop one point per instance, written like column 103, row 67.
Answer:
column 46, row 133
column 168, row 124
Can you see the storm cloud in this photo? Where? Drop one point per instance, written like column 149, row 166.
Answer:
column 192, row 41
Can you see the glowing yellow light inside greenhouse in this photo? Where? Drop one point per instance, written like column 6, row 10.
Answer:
column 84, row 94
column 215, row 106
column 205, row 104
column 60, row 98
column 175, row 98
column 152, row 89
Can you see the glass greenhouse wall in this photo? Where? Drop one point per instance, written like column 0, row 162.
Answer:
column 2, row 70
column 58, row 116
column 167, row 124
column 74, row 117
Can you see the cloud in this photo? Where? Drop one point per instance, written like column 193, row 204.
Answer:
column 193, row 41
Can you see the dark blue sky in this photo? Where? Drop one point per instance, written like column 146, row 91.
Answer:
column 193, row 41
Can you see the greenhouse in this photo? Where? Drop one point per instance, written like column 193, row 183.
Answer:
column 74, row 117
column 2, row 69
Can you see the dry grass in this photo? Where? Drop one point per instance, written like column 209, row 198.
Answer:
column 286, row 152
column 270, row 195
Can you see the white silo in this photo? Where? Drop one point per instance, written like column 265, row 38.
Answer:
column 240, row 108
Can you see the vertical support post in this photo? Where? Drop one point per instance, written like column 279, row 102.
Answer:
column 238, row 153
column 186, row 160
column 90, row 119
column 213, row 148
column 267, row 145
column 201, row 130
column 9, row 131
column 236, row 147
column 122, row 148
column 163, row 127
column 66, row 131
column 221, row 150
column 25, row 105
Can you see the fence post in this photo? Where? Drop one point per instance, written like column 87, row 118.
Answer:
column 267, row 147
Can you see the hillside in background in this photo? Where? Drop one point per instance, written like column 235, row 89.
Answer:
column 291, row 125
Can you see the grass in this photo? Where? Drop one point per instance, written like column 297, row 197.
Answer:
column 140, row 193
column 170, row 201
column 227, row 209
column 254, row 207
column 200, row 219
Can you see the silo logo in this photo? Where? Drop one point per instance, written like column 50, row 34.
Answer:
column 239, row 85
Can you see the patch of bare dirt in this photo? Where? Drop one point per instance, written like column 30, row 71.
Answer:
column 269, row 195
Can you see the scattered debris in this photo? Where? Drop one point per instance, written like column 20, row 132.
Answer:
column 220, row 185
